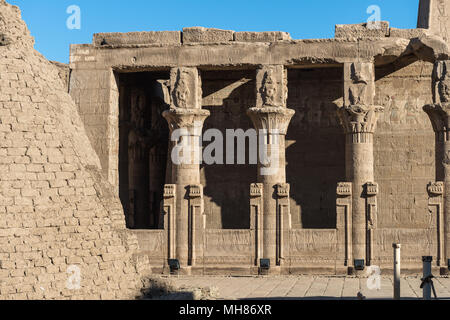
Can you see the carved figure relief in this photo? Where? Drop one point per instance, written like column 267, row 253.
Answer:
column 182, row 92
column 136, row 149
column 358, row 88
column 443, row 20
column 269, row 88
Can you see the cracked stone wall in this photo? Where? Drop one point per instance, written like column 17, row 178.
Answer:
column 56, row 209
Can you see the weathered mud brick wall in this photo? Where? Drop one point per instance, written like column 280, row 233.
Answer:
column 56, row 210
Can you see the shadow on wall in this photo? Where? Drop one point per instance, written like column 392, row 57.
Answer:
column 315, row 146
column 228, row 95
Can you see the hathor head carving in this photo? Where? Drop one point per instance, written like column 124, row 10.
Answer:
column 182, row 92
column 269, row 88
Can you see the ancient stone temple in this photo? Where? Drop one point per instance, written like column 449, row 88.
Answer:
column 360, row 121
column 357, row 127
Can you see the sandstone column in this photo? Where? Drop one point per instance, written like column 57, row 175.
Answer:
column 359, row 117
column 439, row 114
column 185, row 119
column 271, row 119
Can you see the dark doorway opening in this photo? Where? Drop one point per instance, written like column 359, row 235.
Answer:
column 143, row 146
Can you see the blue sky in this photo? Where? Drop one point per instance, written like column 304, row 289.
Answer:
column 303, row 19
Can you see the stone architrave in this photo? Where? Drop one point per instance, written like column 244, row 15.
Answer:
column 271, row 119
column 438, row 113
column 358, row 117
column 185, row 118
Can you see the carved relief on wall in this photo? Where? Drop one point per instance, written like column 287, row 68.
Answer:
column 443, row 19
column 136, row 145
column 313, row 113
column 402, row 113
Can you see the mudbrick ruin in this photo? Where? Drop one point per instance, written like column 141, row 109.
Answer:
column 87, row 180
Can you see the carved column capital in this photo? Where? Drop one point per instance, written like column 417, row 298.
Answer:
column 359, row 118
column 271, row 119
column 359, row 115
column 190, row 119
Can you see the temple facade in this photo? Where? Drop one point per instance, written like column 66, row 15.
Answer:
column 360, row 123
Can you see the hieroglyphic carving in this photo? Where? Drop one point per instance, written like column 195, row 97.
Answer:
column 435, row 200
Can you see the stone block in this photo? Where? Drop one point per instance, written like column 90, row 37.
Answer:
column 362, row 30
column 136, row 38
column 201, row 34
column 267, row 36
